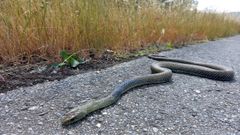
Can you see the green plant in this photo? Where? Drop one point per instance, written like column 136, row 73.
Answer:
column 169, row 45
column 69, row 59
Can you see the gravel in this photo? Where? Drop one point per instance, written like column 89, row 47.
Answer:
column 187, row 105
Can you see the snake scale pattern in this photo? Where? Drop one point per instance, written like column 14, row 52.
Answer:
column 161, row 73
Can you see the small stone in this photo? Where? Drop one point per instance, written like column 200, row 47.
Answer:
column 145, row 130
column 104, row 113
column 98, row 125
column 19, row 127
column 119, row 81
column 30, row 129
column 155, row 129
column 58, row 114
column 10, row 123
column 198, row 91
column 133, row 126
column 98, row 72
column 40, row 123
column 6, row 109
column 54, row 72
column 70, row 133
column 33, row 108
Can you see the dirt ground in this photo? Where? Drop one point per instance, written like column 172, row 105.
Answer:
column 12, row 77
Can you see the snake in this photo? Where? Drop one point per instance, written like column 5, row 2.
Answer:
column 161, row 73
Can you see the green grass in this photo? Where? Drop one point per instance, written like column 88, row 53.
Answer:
column 43, row 28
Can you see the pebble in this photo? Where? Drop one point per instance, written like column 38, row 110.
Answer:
column 54, row 72
column 30, row 129
column 70, row 133
column 33, row 108
column 198, row 91
column 145, row 130
column 155, row 129
column 98, row 125
column 40, row 123
column 132, row 126
column 19, row 127
column 6, row 109
column 10, row 123
column 104, row 113
column 98, row 72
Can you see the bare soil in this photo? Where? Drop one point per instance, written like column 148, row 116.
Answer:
column 14, row 76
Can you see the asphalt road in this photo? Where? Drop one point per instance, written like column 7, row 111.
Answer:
column 188, row 105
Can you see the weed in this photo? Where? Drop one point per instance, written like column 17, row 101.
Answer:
column 169, row 45
column 69, row 59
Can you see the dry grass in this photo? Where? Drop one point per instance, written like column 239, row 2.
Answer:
column 45, row 27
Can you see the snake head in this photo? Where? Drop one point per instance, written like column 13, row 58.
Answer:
column 73, row 116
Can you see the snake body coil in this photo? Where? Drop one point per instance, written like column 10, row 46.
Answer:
column 162, row 72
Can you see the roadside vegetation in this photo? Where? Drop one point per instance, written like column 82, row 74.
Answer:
column 41, row 29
